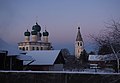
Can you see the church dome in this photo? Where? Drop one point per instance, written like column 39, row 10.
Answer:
column 34, row 32
column 27, row 33
column 45, row 33
column 36, row 27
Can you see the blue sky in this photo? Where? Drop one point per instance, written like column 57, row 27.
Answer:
column 60, row 17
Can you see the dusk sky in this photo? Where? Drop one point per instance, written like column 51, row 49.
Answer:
column 60, row 17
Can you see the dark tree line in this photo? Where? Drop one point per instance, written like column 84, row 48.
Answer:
column 84, row 56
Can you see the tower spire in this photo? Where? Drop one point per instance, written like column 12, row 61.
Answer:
column 79, row 37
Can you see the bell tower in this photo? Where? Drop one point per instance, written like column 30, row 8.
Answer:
column 79, row 46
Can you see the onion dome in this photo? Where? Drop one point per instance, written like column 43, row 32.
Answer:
column 27, row 33
column 36, row 27
column 45, row 33
column 34, row 32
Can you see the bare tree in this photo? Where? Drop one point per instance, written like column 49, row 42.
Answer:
column 111, row 35
column 65, row 52
column 109, row 40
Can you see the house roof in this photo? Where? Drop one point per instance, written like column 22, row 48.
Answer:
column 24, row 57
column 107, row 57
column 44, row 57
column 95, row 58
column 111, row 56
column 12, row 51
column 2, row 51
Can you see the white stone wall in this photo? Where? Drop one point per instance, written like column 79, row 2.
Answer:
column 34, row 38
column 45, row 38
column 27, row 38
column 79, row 47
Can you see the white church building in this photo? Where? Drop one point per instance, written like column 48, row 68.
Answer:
column 39, row 41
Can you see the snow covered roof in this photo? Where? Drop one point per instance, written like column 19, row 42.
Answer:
column 25, row 57
column 44, row 57
column 12, row 51
column 2, row 51
column 111, row 56
column 95, row 58
column 106, row 57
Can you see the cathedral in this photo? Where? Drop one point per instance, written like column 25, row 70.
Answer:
column 35, row 40
column 79, row 45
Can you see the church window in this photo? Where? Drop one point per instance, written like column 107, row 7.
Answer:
column 37, row 48
column 26, row 48
column 41, row 48
column 78, row 43
column 33, row 48
column 23, row 48
column 20, row 48
column 81, row 44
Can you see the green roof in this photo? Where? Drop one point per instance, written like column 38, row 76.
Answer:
column 27, row 33
column 34, row 32
column 36, row 27
column 45, row 33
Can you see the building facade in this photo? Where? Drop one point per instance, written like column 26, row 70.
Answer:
column 39, row 41
column 79, row 44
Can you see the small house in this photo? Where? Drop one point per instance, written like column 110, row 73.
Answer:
column 45, row 60
column 96, row 61
column 8, row 57
column 10, row 62
column 111, row 59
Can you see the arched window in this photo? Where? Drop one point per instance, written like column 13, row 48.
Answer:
column 78, row 43
column 20, row 48
column 26, row 48
column 37, row 48
column 23, row 48
column 41, row 48
column 33, row 48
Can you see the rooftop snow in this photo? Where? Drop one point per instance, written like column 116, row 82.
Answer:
column 25, row 57
column 12, row 51
column 95, row 57
column 44, row 57
column 111, row 56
